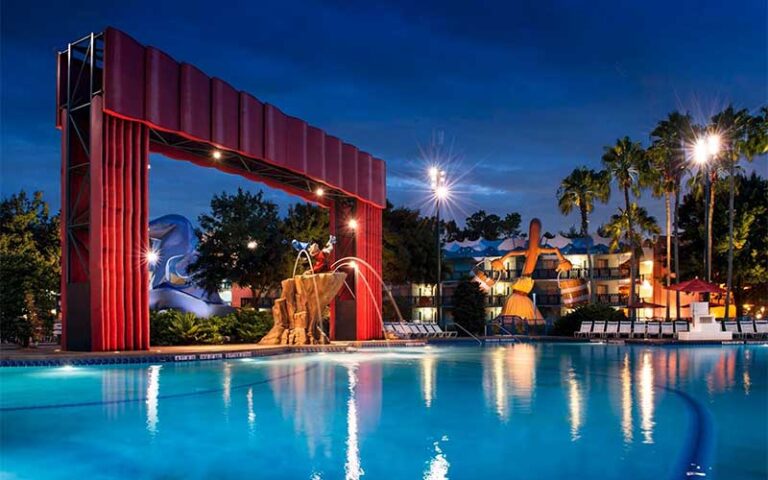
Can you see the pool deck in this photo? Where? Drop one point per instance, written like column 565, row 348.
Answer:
column 52, row 355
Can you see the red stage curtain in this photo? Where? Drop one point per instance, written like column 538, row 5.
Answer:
column 120, row 295
column 368, row 241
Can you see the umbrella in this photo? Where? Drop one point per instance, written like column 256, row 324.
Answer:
column 696, row 286
column 644, row 304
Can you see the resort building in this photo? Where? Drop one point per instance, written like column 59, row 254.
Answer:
column 611, row 277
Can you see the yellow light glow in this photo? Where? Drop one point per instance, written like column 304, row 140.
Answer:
column 352, row 224
column 626, row 401
column 252, row 245
column 319, row 192
column 216, row 154
column 428, row 379
column 646, row 398
column 575, row 407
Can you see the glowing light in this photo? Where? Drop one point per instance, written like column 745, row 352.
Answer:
column 252, row 245
column 352, row 224
column 53, row 311
column 153, row 256
column 433, row 172
column 319, row 192
column 216, row 154
column 442, row 192
column 701, row 151
column 353, row 264
column 713, row 144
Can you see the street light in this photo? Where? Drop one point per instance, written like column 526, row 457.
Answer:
column 705, row 150
column 441, row 193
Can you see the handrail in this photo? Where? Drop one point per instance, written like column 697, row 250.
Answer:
column 468, row 332
column 508, row 332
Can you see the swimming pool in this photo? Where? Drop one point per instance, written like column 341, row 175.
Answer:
column 517, row 411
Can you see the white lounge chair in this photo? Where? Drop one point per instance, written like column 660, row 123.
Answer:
column 732, row 327
column 625, row 328
column 761, row 327
column 612, row 329
column 584, row 330
column 444, row 333
column 653, row 330
column 638, row 330
column 667, row 329
column 681, row 326
column 747, row 328
column 598, row 329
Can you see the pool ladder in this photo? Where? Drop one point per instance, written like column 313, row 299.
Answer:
column 468, row 333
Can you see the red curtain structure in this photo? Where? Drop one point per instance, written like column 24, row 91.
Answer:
column 116, row 101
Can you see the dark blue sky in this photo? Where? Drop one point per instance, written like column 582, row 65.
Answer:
column 525, row 91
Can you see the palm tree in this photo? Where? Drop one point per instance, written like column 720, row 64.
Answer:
column 630, row 224
column 742, row 135
column 667, row 157
column 626, row 162
column 580, row 190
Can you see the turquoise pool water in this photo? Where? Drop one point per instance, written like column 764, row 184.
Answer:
column 517, row 411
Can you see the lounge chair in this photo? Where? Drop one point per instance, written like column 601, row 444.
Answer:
column 390, row 328
column 612, row 329
column 761, row 329
column 422, row 329
column 598, row 330
column 431, row 332
column 682, row 326
column 584, row 330
column 638, row 330
column 653, row 330
column 667, row 329
column 747, row 328
column 402, row 330
column 625, row 328
column 732, row 327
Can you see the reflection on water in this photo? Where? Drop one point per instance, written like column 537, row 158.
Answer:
column 153, row 390
column 585, row 376
column 227, row 382
column 575, row 406
column 626, row 400
column 437, row 467
column 646, row 398
column 428, row 366
column 510, row 376
column 352, row 468
column 251, row 412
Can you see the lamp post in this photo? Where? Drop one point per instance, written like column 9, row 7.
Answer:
column 705, row 150
column 440, row 192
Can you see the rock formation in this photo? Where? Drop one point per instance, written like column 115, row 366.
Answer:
column 298, row 313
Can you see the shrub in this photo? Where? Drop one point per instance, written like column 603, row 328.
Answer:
column 172, row 327
column 469, row 306
column 568, row 324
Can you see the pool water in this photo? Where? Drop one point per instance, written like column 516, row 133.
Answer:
column 516, row 411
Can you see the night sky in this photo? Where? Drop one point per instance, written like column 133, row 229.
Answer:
column 522, row 92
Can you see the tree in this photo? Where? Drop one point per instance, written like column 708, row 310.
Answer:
column 626, row 162
column 510, row 226
column 29, row 267
column 409, row 253
column 239, row 241
column 742, row 136
column 469, row 306
column 750, row 239
column 483, row 225
column 304, row 222
column 580, row 190
column 630, row 225
column 453, row 233
column 668, row 162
